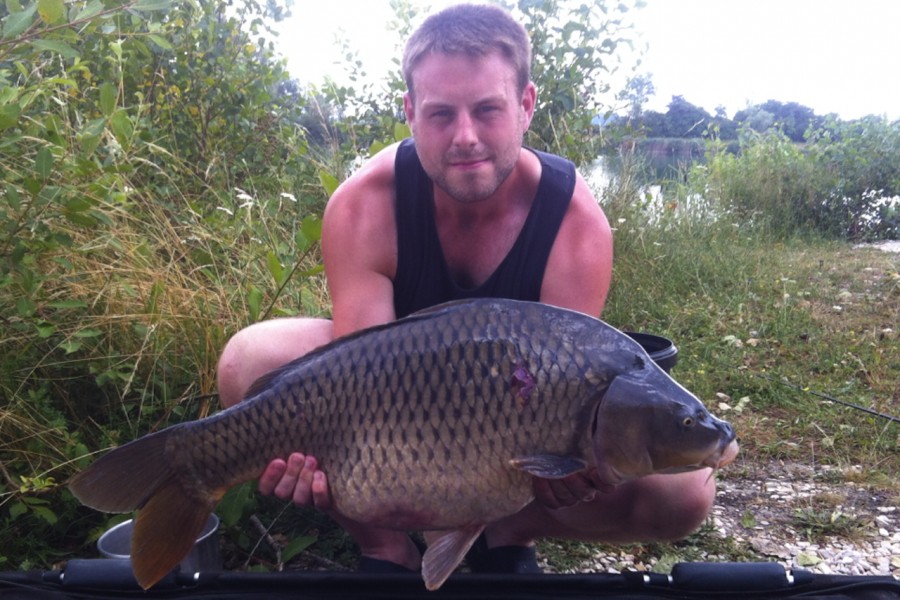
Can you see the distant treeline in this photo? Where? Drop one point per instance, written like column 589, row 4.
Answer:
column 777, row 162
column 685, row 120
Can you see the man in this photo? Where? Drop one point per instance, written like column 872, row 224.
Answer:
column 465, row 211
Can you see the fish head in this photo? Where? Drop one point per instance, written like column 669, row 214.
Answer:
column 646, row 423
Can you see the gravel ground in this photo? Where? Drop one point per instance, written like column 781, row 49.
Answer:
column 817, row 519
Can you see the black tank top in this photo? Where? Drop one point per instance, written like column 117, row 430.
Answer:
column 423, row 278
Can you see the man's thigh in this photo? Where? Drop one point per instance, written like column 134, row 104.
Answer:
column 264, row 346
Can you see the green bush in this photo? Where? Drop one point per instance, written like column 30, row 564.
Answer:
column 837, row 185
column 156, row 194
column 770, row 184
column 860, row 162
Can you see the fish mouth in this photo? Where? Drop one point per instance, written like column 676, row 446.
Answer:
column 723, row 456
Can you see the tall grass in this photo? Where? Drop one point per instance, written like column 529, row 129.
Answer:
column 121, row 332
column 754, row 308
column 771, row 185
column 120, row 335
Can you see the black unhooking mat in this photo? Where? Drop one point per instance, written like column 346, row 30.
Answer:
column 91, row 579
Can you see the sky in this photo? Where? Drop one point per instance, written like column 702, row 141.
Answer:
column 834, row 56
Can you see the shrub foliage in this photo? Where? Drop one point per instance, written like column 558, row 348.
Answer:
column 162, row 182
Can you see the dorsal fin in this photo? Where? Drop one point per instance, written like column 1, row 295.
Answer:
column 427, row 313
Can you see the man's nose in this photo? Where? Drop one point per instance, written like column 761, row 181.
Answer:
column 465, row 135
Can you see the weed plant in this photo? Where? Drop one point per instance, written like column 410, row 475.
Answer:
column 122, row 335
column 150, row 209
column 122, row 338
column 752, row 310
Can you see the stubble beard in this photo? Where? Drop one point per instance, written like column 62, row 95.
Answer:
column 474, row 187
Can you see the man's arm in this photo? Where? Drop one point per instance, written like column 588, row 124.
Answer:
column 579, row 269
column 359, row 246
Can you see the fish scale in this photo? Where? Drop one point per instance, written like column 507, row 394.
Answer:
column 436, row 398
column 436, row 421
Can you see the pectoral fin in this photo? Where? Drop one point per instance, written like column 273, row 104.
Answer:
column 445, row 554
column 549, row 466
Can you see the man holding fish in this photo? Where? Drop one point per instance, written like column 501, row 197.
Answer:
column 460, row 211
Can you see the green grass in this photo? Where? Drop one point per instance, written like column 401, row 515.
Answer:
column 128, row 321
column 770, row 323
column 818, row 524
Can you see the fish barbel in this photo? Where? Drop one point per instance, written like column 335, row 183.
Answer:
column 437, row 421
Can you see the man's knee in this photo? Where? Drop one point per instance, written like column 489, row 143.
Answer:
column 650, row 509
column 675, row 510
column 257, row 349
column 230, row 372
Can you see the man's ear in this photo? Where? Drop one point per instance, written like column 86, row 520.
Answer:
column 529, row 100
column 409, row 107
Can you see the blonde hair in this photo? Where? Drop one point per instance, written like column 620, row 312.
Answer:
column 472, row 29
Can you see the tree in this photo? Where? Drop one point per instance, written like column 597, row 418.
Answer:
column 574, row 45
column 685, row 119
column 637, row 92
column 760, row 120
column 655, row 124
column 725, row 128
column 791, row 118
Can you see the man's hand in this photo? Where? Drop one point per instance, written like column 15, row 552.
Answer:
column 298, row 480
column 569, row 491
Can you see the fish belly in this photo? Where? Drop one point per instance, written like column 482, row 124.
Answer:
column 430, row 496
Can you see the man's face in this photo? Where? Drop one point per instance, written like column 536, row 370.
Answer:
column 468, row 121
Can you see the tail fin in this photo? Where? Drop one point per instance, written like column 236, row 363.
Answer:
column 165, row 530
column 139, row 475
column 124, row 479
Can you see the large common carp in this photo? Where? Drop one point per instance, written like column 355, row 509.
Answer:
column 433, row 422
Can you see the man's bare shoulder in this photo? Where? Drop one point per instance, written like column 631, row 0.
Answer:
column 579, row 268
column 376, row 176
column 366, row 198
column 584, row 217
column 359, row 228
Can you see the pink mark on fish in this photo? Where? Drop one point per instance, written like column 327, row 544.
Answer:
column 522, row 383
